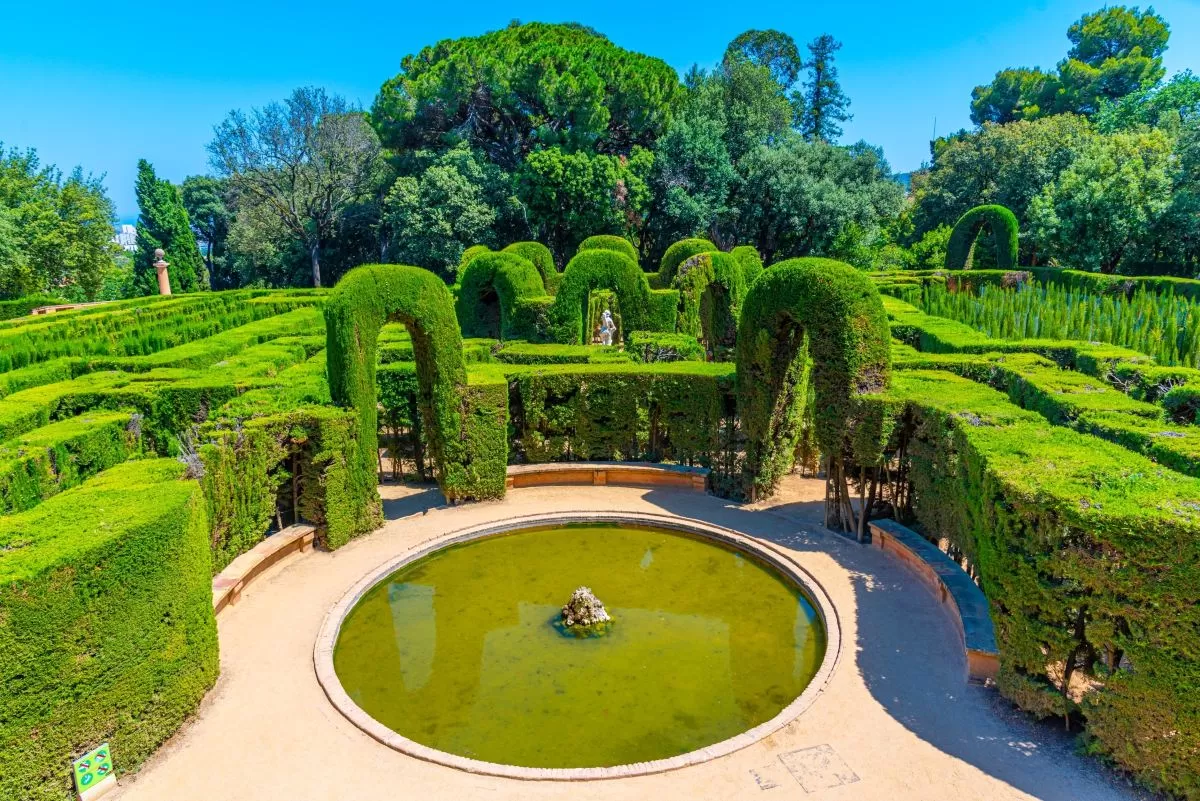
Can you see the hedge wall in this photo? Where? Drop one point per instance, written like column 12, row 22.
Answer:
column 750, row 260
column 106, row 624
column 618, row 244
column 541, row 258
column 20, row 307
column 1090, row 556
column 490, row 290
column 999, row 220
column 677, row 254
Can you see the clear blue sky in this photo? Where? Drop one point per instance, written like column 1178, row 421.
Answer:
column 102, row 85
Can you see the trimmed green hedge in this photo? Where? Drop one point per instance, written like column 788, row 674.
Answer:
column 541, row 258
column 711, row 289
column 359, row 305
column 656, row 346
column 1090, row 556
column 1003, row 225
column 530, row 353
column 837, row 311
column 490, row 289
column 677, row 254
column 23, row 306
column 618, row 244
column 599, row 269
column 106, row 624
column 48, row 460
column 750, row 260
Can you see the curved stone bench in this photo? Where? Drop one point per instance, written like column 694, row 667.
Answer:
column 952, row 586
column 626, row 474
column 227, row 586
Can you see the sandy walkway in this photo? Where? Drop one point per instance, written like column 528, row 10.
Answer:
column 897, row 720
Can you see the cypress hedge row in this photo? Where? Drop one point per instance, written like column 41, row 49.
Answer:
column 1090, row 556
column 618, row 244
column 106, row 624
column 490, row 294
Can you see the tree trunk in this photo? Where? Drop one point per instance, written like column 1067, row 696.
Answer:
column 316, row 264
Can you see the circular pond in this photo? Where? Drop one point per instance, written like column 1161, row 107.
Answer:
column 462, row 650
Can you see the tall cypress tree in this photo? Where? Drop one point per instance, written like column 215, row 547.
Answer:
column 163, row 223
column 825, row 104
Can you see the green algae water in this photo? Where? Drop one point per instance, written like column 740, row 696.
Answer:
column 460, row 650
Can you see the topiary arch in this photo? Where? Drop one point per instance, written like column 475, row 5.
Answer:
column 677, row 254
column 362, row 302
column 803, row 312
column 541, row 258
column 599, row 269
column 1003, row 225
column 618, row 244
column 711, row 287
column 489, row 291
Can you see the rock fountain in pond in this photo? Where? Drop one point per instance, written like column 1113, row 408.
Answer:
column 584, row 610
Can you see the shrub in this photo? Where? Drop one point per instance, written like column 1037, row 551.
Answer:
column 541, row 258
column 469, row 255
column 677, row 254
column 711, row 288
column 1089, row 556
column 359, row 305
column 106, row 628
column 618, row 244
column 751, row 261
column 837, row 310
column 599, row 269
column 24, row 305
column 1003, row 225
column 489, row 289
column 656, row 346
column 527, row 353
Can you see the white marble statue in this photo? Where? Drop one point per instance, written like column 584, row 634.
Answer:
column 607, row 328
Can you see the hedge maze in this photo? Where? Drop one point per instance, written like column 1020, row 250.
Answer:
column 145, row 444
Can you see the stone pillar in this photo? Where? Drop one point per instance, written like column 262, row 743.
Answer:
column 160, row 266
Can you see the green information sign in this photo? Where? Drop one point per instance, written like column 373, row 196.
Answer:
column 93, row 771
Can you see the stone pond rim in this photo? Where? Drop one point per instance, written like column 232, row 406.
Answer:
column 775, row 559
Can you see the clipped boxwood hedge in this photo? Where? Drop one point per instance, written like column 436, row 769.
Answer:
column 541, row 258
column 1003, row 225
column 106, row 624
column 750, row 260
column 490, row 288
column 618, row 244
column 599, row 269
column 677, row 254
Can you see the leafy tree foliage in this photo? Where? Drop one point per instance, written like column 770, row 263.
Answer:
column 1177, row 102
column 455, row 203
column 1114, row 52
column 306, row 161
column 511, row 91
column 1105, row 202
column 163, row 223
column 204, row 199
column 55, row 231
column 825, row 104
column 772, row 49
column 573, row 195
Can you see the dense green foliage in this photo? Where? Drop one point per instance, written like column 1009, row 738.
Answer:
column 492, row 298
column 541, row 258
column 610, row 242
column 677, row 254
column 108, row 632
column 55, row 232
column 711, row 288
column 163, row 223
column 965, row 237
column 600, row 269
column 801, row 310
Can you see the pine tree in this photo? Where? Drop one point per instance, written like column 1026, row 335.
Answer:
column 825, row 104
column 163, row 223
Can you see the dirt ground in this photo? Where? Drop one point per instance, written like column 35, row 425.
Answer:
column 896, row 721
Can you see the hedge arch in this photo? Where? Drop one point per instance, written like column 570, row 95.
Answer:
column 469, row 254
column 711, row 289
column 803, row 312
column 751, row 261
column 490, row 290
column 1003, row 225
column 599, row 269
column 362, row 302
column 542, row 259
column 677, row 254
column 618, row 244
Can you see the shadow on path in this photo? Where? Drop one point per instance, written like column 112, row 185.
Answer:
column 402, row 500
